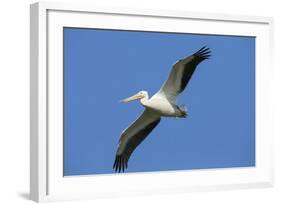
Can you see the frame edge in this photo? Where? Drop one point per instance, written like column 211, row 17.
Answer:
column 38, row 104
column 98, row 8
column 34, row 171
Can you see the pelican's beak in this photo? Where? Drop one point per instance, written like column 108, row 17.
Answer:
column 134, row 97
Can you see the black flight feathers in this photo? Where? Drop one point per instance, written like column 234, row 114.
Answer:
column 120, row 163
column 121, row 159
column 203, row 53
column 190, row 63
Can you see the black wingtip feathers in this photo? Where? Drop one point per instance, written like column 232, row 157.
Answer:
column 203, row 53
column 120, row 163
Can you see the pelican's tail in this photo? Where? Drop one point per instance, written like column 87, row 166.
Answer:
column 182, row 111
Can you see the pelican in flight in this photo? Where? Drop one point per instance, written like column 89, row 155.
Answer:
column 162, row 104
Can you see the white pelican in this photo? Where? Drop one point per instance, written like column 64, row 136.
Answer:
column 163, row 103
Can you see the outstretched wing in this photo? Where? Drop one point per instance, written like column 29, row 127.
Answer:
column 182, row 72
column 133, row 136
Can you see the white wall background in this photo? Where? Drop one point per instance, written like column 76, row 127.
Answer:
column 14, row 102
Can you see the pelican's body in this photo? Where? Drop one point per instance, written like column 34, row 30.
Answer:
column 161, row 104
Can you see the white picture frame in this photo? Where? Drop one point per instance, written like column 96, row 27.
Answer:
column 46, row 179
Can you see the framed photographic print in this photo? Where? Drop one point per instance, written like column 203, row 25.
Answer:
column 128, row 101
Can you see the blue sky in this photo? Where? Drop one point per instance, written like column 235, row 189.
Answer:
column 103, row 66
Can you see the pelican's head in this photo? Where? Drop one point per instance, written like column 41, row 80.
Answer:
column 140, row 95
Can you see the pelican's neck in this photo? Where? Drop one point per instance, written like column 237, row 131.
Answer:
column 145, row 99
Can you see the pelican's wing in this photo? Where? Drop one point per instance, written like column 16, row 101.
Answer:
column 182, row 72
column 133, row 136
